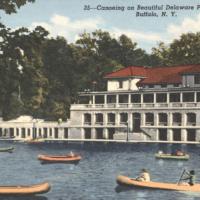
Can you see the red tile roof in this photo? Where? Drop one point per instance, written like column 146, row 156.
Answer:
column 128, row 72
column 156, row 75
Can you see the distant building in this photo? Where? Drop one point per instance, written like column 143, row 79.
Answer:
column 158, row 104
column 26, row 127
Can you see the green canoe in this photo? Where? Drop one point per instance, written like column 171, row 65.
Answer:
column 8, row 149
column 170, row 156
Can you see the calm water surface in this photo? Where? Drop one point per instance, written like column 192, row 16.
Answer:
column 94, row 178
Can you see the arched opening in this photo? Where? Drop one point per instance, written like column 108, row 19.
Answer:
column 176, row 134
column 162, row 119
column 162, row 134
column 149, row 119
column 191, row 119
column 99, row 118
column 111, row 118
column 176, row 119
column 136, row 122
column 111, row 132
column 191, row 135
column 123, row 118
column 87, row 119
column 99, row 133
column 87, row 133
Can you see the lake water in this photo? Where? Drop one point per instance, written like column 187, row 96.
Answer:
column 94, row 178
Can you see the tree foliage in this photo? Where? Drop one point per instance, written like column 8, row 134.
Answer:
column 11, row 6
column 41, row 76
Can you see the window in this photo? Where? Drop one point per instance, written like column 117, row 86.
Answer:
column 120, row 84
column 163, row 85
column 151, row 86
column 176, row 85
column 197, row 79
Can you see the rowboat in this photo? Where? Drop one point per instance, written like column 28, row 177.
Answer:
column 126, row 181
column 7, row 149
column 59, row 158
column 171, row 156
column 25, row 190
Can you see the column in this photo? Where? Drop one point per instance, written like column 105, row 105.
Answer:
column 25, row 132
column 184, row 119
column 198, row 135
column 105, row 133
column 168, row 98
column 142, row 119
column 154, row 98
column 184, row 135
column 93, row 133
column 195, row 97
column 31, row 132
column 117, row 115
column 169, row 135
column 93, row 99
column 42, row 132
column 181, row 97
column 129, row 98
column 170, row 119
column 15, row 132
column 156, row 119
column 142, row 98
column 20, row 132
column 105, row 117
column 53, row 132
column 92, row 118
column 61, row 132
column 48, row 133
column 130, row 121
column 117, row 100
column 105, row 100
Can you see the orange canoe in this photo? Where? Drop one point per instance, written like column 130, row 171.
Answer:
column 124, row 180
column 59, row 158
column 25, row 190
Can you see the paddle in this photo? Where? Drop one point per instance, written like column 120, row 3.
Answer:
column 181, row 176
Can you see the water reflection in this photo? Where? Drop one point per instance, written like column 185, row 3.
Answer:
column 23, row 198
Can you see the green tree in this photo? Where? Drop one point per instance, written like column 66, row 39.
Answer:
column 11, row 6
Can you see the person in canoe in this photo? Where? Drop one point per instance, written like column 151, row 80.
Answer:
column 190, row 176
column 71, row 154
column 178, row 153
column 144, row 176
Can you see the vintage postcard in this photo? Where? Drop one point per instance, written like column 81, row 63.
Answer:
column 99, row 99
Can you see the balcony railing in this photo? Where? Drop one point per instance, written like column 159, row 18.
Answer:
column 137, row 105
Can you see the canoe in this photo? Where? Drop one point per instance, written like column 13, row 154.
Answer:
column 35, row 141
column 7, row 149
column 126, row 181
column 59, row 158
column 170, row 156
column 25, row 190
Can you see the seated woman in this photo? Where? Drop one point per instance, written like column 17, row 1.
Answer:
column 144, row 176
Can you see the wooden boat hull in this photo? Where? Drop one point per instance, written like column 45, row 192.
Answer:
column 59, row 159
column 124, row 180
column 174, row 157
column 24, row 190
column 9, row 149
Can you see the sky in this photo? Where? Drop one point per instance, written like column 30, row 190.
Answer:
column 68, row 18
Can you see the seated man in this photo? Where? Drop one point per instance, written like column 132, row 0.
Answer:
column 190, row 177
column 144, row 176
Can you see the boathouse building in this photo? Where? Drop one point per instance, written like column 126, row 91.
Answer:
column 141, row 104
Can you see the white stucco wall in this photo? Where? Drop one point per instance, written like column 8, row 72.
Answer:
column 188, row 81
column 127, row 84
